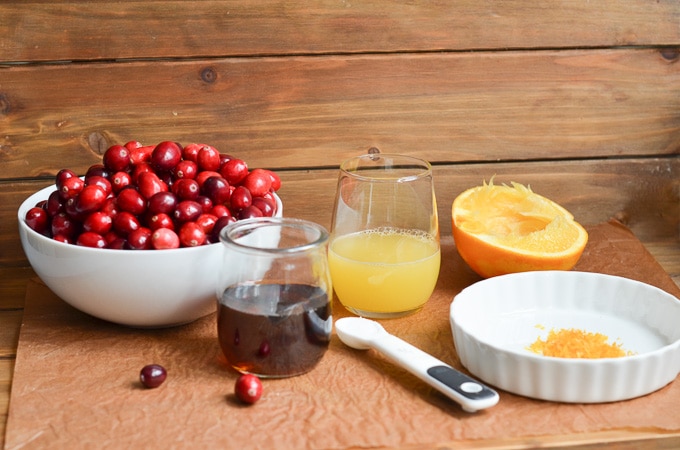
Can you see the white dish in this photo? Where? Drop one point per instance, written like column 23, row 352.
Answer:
column 139, row 288
column 495, row 320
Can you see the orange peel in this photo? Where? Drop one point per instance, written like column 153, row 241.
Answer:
column 509, row 228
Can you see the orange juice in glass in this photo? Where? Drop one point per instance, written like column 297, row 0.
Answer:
column 384, row 253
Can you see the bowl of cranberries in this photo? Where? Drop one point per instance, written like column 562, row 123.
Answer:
column 135, row 240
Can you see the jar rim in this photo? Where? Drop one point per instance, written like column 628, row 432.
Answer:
column 230, row 234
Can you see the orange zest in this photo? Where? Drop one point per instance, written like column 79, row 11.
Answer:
column 507, row 229
column 574, row 343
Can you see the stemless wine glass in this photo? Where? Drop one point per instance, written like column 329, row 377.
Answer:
column 384, row 252
column 274, row 311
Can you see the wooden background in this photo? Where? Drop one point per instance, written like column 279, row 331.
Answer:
column 581, row 100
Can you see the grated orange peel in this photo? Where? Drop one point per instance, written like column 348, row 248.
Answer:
column 501, row 229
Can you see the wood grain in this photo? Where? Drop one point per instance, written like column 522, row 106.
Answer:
column 643, row 193
column 101, row 30
column 311, row 112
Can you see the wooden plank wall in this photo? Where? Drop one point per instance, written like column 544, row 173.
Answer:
column 579, row 99
column 480, row 88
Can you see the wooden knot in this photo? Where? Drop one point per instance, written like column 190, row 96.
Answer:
column 97, row 142
column 209, row 75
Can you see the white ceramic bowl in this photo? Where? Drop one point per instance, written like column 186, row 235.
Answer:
column 495, row 320
column 140, row 288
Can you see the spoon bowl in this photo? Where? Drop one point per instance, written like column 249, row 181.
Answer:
column 357, row 332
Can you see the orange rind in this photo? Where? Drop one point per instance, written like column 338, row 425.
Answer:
column 506, row 229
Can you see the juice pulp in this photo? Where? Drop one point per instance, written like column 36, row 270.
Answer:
column 385, row 270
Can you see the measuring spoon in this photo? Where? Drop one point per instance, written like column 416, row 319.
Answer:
column 362, row 334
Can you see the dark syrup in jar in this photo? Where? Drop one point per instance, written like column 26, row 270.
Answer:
column 274, row 329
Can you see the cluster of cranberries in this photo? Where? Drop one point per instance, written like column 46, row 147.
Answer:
column 154, row 197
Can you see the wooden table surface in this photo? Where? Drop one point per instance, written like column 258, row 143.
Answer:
column 12, row 290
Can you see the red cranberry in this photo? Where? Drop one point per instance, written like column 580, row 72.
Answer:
column 62, row 238
column 38, row 220
column 186, row 169
column 263, row 205
column 186, row 189
column 91, row 239
column 240, row 198
column 152, row 375
column 217, row 189
column 264, row 349
column 138, row 169
column 118, row 243
column 190, row 151
column 110, row 207
column 73, row 213
column 166, row 156
column 98, row 222
column 120, row 180
column 258, row 182
column 220, row 211
column 98, row 170
column 140, row 154
column 111, row 236
column 164, row 238
column 125, row 223
column 249, row 212
column 131, row 145
column 187, row 211
column 63, row 175
column 191, row 235
column 206, row 222
column 90, row 199
column 234, row 171
column 132, row 201
column 70, row 188
column 116, row 158
column 224, row 158
column 208, row 158
column 276, row 180
column 204, row 175
column 248, row 388
column 205, row 202
column 54, row 204
column 140, row 239
column 101, row 182
column 219, row 225
column 150, row 184
column 160, row 220
column 163, row 202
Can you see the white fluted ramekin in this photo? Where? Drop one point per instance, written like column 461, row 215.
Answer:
column 495, row 320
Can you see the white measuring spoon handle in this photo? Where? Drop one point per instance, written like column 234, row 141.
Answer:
column 466, row 391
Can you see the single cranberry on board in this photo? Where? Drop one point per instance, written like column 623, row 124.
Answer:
column 152, row 375
column 248, row 388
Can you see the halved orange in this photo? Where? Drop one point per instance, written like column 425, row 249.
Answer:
column 505, row 229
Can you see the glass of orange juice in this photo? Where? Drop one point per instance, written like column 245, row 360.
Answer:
column 384, row 252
